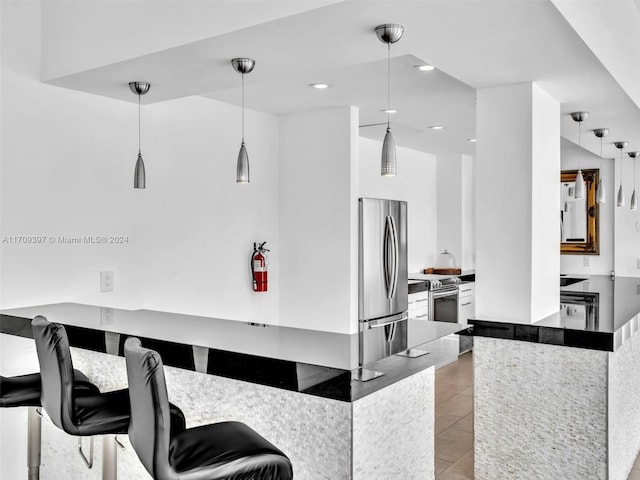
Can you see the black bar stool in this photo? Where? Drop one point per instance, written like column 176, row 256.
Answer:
column 78, row 413
column 24, row 391
column 219, row 451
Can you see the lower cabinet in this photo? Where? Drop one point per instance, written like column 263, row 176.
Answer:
column 419, row 305
column 466, row 310
column 466, row 302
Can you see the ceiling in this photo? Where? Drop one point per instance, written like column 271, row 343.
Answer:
column 472, row 43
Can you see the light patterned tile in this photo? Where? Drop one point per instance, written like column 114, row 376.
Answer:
column 452, row 444
column 459, row 405
column 444, row 421
column 465, row 423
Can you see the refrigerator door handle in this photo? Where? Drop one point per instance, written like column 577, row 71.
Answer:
column 378, row 323
column 390, row 256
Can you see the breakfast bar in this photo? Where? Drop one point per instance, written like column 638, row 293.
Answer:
column 293, row 386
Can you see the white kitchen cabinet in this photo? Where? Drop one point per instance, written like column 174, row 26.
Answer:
column 419, row 305
column 466, row 302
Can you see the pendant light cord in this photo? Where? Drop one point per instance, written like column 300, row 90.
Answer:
column 601, row 153
column 620, row 166
column 139, row 129
column 579, row 143
column 388, row 81
column 242, row 107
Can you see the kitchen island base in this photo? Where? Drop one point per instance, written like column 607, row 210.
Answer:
column 548, row 411
column 385, row 434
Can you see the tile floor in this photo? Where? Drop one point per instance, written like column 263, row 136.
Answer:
column 454, row 422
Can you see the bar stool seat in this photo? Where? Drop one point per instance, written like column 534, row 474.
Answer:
column 77, row 413
column 216, row 445
column 102, row 413
column 24, row 390
column 220, row 451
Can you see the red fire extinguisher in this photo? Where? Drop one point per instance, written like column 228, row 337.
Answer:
column 259, row 267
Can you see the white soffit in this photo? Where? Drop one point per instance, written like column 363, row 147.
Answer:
column 481, row 43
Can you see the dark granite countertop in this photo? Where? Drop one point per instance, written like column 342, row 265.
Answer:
column 599, row 313
column 307, row 361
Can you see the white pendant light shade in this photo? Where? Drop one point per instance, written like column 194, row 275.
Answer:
column 388, row 166
column 634, row 201
column 242, row 173
column 580, row 187
column 139, row 176
column 601, row 196
column 620, row 199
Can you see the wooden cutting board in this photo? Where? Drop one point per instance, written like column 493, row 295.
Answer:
column 442, row 271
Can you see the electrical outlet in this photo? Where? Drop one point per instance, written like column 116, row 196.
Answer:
column 586, row 261
column 106, row 281
column 638, row 263
column 638, row 290
column 106, row 316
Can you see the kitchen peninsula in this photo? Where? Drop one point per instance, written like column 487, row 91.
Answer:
column 561, row 394
column 294, row 386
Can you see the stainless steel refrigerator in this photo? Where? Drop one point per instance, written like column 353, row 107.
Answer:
column 383, row 284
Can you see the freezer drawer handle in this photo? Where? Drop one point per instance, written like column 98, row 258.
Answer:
column 389, row 322
column 390, row 260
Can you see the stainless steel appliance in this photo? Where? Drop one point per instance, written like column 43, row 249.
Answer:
column 443, row 299
column 383, row 284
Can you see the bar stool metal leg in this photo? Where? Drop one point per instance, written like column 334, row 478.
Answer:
column 109, row 458
column 34, row 441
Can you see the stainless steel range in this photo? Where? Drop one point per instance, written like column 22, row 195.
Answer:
column 443, row 296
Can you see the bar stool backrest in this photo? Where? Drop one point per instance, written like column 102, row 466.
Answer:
column 56, row 372
column 150, row 424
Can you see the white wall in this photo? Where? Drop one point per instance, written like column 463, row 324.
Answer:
column 517, row 198
column 545, row 227
column 600, row 264
column 318, row 220
column 449, row 188
column 416, row 184
column 627, row 222
column 468, row 214
column 456, row 214
column 117, row 31
column 67, row 169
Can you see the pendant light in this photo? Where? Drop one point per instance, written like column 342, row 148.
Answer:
column 600, row 193
column 620, row 197
column 633, row 204
column 139, row 175
column 243, row 66
column 580, row 187
column 389, row 33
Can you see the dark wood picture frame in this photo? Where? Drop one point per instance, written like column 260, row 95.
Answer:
column 592, row 244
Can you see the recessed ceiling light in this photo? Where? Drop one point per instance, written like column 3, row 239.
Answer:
column 472, row 140
column 436, row 127
column 389, row 110
column 425, row 67
column 320, row 86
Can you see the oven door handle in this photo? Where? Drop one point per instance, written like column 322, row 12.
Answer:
column 448, row 293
